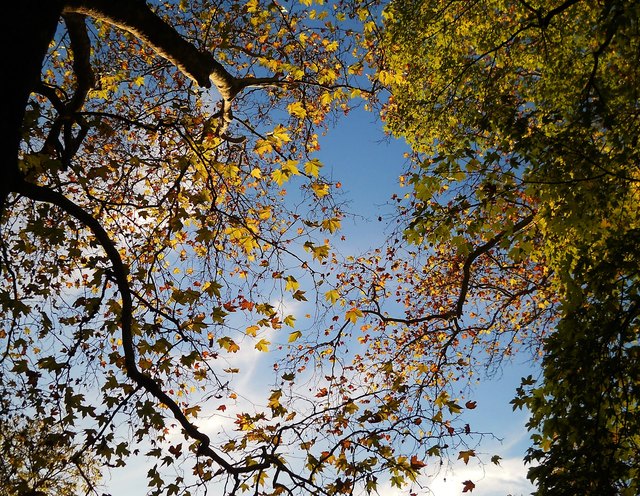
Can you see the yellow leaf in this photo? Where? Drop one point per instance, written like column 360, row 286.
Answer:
column 332, row 296
column 294, row 336
column 313, row 167
column 331, row 225
column 326, row 99
column 297, row 110
column 228, row 344
column 262, row 147
column 292, row 284
column 274, row 399
column 353, row 315
column 320, row 252
column 262, row 345
column 291, row 167
column 279, row 177
column 290, row 320
column 252, row 330
column 320, row 189
column 280, row 134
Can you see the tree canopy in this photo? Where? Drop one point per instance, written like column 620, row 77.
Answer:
column 146, row 229
column 162, row 202
column 524, row 121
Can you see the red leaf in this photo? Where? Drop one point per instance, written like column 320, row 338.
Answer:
column 471, row 404
column 468, row 486
column 222, row 408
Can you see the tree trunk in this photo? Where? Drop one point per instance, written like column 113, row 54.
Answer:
column 27, row 28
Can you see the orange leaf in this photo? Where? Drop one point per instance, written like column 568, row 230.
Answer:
column 323, row 392
column 417, row 464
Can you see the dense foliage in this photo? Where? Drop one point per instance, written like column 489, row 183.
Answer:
column 524, row 118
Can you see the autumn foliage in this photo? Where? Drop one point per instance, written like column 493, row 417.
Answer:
column 163, row 208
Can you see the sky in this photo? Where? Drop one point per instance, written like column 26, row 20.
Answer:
column 357, row 153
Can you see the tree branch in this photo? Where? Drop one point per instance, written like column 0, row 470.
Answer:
column 466, row 278
column 138, row 19
column 121, row 274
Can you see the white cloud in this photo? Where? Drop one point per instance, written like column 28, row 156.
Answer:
column 509, row 478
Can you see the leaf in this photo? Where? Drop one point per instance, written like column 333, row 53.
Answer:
column 465, row 455
column 417, row 464
column 322, row 393
column 331, row 225
column 297, row 110
column 291, row 284
column 262, row 345
column 294, row 336
column 252, row 330
column 312, row 167
column 495, row 459
column 320, row 189
column 332, row 296
column 280, row 135
column 263, row 147
column 228, row 344
column 299, row 296
column 353, row 314
column 468, row 486
column 471, row 405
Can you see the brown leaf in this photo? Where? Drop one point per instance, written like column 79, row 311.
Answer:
column 468, row 486
column 417, row 464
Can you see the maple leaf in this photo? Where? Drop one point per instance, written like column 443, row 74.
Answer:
column 312, row 167
column 465, row 455
column 332, row 296
column 353, row 314
column 417, row 464
column 322, row 393
column 468, row 486
column 262, row 345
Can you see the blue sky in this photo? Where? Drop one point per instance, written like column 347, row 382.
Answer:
column 357, row 153
column 368, row 164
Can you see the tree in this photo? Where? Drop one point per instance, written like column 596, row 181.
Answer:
column 144, row 222
column 41, row 461
column 523, row 215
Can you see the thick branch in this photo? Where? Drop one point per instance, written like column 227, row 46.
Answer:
column 138, row 19
column 81, row 48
